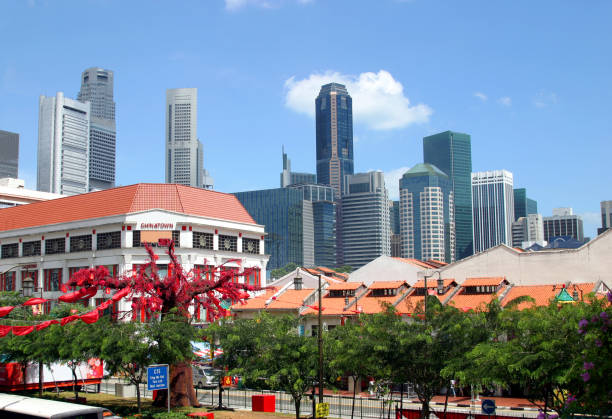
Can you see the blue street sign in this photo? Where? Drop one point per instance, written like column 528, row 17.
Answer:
column 157, row 377
column 488, row 407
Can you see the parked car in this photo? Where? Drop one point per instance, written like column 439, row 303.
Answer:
column 205, row 377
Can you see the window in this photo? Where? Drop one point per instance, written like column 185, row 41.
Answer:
column 228, row 243
column 80, row 243
column 205, row 271
column 232, row 272
column 110, row 240
column 10, row 250
column 31, row 248
column 7, row 281
column 384, row 292
column 111, row 310
column 136, row 239
column 176, row 238
column 254, row 277
column 250, row 246
column 53, row 279
column 54, row 246
column 202, row 240
column 112, row 269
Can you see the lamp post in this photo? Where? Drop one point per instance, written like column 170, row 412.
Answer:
column 27, row 286
column 320, row 338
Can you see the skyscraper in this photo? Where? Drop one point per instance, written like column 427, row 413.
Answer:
column 334, row 126
column 9, row 154
column 394, row 221
column 288, row 177
column 451, row 152
column 528, row 230
column 366, row 230
column 184, row 152
column 427, row 221
column 63, row 145
column 493, row 208
column 97, row 88
column 563, row 223
column 606, row 216
column 523, row 206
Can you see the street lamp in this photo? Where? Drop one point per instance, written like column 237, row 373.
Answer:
column 320, row 337
column 27, row 286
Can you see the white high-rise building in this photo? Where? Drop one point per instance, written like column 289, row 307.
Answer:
column 63, row 145
column 366, row 228
column 97, row 88
column 528, row 230
column 184, row 152
column 493, row 208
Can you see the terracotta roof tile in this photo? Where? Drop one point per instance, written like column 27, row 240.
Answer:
column 256, row 303
column 344, row 285
column 415, row 262
column 125, row 200
column 371, row 305
column 542, row 294
column 290, row 300
column 376, row 285
column 464, row 301
column 332, row 306
column 473, row 282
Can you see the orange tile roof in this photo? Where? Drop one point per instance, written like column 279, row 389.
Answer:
column 377, row 285
column 344, row 285
column 325, row 270
column 433, row 283
column 371, row 305
column 256, row 303
column 542, row 294
column 290, row 300
column 332, row 306
column 473, row 301
column 415, row 262
column 436, row 263
column 125, row 200
column 473, row 282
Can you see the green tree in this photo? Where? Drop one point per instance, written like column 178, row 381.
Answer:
column 344, row 269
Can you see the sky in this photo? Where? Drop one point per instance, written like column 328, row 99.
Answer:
column 530, row 81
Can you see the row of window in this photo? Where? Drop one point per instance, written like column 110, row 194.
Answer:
column 111, row 240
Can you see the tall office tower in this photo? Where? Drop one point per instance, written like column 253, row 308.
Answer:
column 493, row 203
column 606, row 216
column 451, row 152
column 97, row 88
column 427, row 221
column 184, row 152
column 9, row 154
column 366, row 230
column 528, row 230
column 334, row 125
column 523, row 206
column 394, row 221
column 63, row 145
column 563, row 223
column 299, row 223
column 288, row 177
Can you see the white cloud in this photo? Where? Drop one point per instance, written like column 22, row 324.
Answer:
column 392, row 179
column 481, row 96
column 505, row 101
column 378, row 99
column 266, row 4
column 544, row 98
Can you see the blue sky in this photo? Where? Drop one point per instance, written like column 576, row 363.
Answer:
column 529, row 80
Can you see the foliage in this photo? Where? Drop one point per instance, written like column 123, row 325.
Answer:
column 280, row 272
column 344, row 269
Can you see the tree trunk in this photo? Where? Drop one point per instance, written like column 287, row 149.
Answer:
column 425, row 409
column 40, row 378
column 182, row 392
column 74, row 386
column 138, row 395
column 354, row 391
column 446, row 400
column 297, row 407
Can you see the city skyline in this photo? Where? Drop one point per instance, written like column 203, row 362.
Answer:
column 522, row 109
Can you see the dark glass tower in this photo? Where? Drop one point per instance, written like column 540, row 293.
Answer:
column 334, row 118
column 451, row 152
column 523, row 206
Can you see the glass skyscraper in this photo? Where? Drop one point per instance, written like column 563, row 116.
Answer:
column 451, row 152
column 334, row 130
column 523, row 206
column 97, row 88
column 9, row 154
column 427, row 222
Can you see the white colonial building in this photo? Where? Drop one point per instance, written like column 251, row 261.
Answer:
column 49, row 241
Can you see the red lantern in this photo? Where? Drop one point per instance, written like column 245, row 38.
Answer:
column 107, row 290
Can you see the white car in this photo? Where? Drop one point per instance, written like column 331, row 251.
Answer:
column 205, row 377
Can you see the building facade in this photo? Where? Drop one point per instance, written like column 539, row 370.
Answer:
column 13, row 192
column 299, row 223
column 9, row 154
column 563, row 222
column 288, row 177
column 366, row 230
column 63, row 145
column 523, row 206
column 451, row 152
column 334, row 130
column 394, row 220
column 606, row 216
column 427, row 214
column 97, row 89
column 184, row 152
column 49, row 241
column 528, row 230
column 493, row 202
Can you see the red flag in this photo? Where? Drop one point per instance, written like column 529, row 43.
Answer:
column 22, row 330
column 5, row 310
column 90, row 317
column 34, row 301
column 69, row 319
column 4, row 330
column 70, row 298
column 46, row 324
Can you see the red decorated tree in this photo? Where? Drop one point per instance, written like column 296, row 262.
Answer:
column 175, row 293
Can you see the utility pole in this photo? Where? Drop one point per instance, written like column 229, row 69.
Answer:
column 320, row 329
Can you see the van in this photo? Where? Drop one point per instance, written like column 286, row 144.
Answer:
column 205, row 377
